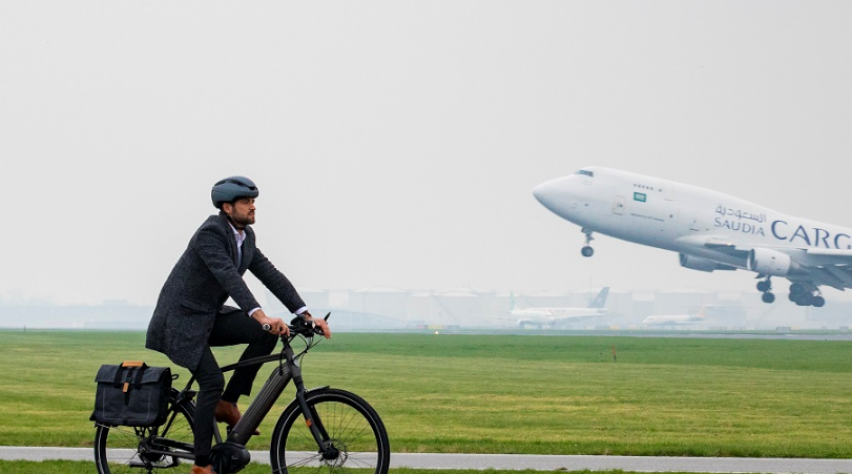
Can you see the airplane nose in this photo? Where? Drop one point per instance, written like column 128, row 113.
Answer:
column 550, row 194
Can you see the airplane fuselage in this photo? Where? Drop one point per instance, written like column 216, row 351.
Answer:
column 710, row 230
column 665, row 214
column 555, row 316
column 558, row 312
column 670, row 320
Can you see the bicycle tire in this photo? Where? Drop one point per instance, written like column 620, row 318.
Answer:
column 119, row 449
column 353, row 426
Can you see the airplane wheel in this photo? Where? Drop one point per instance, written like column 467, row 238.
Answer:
column 768, row 297
column 805, row 299
column 587, row 251
column 819, row 302
column 796, row 288
column 764, row 286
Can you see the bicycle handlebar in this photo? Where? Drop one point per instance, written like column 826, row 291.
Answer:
column 299, row 325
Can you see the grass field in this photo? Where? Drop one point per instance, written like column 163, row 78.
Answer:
column 63, row 467
column 501, row 394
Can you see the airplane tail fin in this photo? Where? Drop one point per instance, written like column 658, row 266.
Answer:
column 514, row 303
column 703, row 313
column 600, row 300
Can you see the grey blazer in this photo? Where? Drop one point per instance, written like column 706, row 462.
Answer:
column 200, row 283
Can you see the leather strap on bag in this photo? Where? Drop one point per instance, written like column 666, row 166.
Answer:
column 137, row 382
column 134, row 365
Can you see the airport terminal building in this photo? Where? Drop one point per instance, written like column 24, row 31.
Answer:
column 394, row 308
column 470, row 308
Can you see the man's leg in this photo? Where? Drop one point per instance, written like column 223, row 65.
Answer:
column 236, row 327
column 211, row 382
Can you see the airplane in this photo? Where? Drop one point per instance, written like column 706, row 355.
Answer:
column 675, row 319
column 709, row 230
column 554, row 317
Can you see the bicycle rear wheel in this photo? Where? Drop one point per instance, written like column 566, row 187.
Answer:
column 354, row 429
column 126, row 450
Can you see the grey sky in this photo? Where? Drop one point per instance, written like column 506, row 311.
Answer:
column 397, row 143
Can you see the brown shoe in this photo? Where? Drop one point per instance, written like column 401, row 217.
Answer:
column 202, row 470
column 227, row 412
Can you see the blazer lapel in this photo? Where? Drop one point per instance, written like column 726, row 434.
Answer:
column 248, row 249
column 232, row 239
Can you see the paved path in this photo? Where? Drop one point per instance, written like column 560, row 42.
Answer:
column 534, row 462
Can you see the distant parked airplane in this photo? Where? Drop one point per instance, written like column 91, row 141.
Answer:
column 709, row 230
column 674, row 319
column 553, row 317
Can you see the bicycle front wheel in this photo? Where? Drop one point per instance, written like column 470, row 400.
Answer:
column 349, row 425
column 129, row 450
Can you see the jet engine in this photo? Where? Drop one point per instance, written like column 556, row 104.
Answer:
column 702, row 264
column 770, row 262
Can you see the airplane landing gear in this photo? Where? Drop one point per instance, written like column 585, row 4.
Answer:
column 765, row 287
column 587, row 250
column 806, row 295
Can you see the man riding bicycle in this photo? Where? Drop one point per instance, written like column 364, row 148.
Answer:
column 191, row 315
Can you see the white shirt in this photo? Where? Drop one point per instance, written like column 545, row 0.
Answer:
column 240, row 235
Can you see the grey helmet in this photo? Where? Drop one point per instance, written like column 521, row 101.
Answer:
column 230, row 189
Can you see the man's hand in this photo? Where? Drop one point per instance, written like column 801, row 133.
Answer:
column 277, row 326
column 320, row 323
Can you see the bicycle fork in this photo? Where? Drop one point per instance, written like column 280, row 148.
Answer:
column 312, row 419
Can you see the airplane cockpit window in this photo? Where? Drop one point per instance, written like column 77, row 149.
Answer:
column 586, row 173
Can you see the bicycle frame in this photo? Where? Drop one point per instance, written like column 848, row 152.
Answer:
column 268, row 394
column 288, row 369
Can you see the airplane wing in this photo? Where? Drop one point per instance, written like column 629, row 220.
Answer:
column 716, row 243
column 818, row 266
column 830, row 256
column 831, row 267
column 726, row 246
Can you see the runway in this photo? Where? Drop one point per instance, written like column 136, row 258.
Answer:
column 532, row 462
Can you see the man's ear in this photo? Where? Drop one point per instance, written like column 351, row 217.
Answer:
column 227, row 208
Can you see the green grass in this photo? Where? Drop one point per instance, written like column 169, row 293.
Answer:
column 501, row 394
column 80, row 467
column 51, row 467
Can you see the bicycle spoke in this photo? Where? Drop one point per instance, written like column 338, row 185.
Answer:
column 306, row 461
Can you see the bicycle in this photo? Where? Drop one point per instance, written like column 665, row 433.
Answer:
column 339, row 430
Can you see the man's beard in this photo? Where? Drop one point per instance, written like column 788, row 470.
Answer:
column 242, row 221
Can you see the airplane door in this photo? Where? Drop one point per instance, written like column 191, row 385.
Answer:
column 618, row 206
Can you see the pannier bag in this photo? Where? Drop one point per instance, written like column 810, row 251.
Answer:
column 132, row 394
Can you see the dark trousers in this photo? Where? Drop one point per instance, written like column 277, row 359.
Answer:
column 231, row 328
